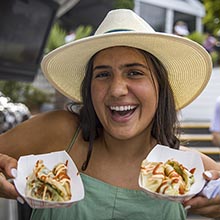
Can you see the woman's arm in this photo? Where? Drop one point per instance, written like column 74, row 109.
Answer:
column 41, row 134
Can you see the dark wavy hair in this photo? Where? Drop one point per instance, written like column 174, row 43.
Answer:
column 165, row 122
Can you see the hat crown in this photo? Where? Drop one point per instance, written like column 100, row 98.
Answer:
column 117, row 20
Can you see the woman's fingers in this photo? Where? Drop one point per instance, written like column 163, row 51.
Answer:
column 204, row 206
column 8, row 165
column 201, row 201
column 211, row 174
column 209, row 212
column 7, row 189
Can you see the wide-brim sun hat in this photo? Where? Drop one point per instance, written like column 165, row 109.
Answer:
column 188, row 64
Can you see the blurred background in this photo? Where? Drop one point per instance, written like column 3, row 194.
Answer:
column 29, row 29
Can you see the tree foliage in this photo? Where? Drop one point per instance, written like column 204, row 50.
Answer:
column 83, row 31
column 56, row 38
column 25, row 93
column 129, row 4
column 212, row 17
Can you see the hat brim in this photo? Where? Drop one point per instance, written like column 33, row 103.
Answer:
column 188, row 64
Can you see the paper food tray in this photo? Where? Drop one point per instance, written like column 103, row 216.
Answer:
column 188, row 159
column 25, row 168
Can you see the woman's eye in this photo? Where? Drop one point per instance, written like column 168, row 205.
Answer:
column 102, row 75
column 135, row 74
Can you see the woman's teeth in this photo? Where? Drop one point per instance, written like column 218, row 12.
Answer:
column 122, row 108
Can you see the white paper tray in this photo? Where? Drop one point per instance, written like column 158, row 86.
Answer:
column 189, row 159
column 25, row 168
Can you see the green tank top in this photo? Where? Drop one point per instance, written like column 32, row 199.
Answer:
column 103, row 201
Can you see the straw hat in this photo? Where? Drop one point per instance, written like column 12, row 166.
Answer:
column 188, row 64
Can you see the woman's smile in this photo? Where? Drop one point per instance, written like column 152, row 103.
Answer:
column 122, row 113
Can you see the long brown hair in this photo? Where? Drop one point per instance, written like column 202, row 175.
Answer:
column 165, row 122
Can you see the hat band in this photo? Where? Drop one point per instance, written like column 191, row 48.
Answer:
column 118, row 30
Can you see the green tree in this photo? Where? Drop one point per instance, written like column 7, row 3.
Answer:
column 83, row 31
column 25, row 93
column 212, row 17
column 56, row 38
column 129, row 4
column 211, row 23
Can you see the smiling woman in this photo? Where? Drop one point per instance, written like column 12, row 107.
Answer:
column 129, row 81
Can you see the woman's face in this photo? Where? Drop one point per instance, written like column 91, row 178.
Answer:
column 123, row 91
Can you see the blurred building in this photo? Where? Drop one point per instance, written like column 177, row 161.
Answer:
column 163, row 15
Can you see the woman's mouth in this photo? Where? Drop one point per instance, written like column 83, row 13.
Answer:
column 125, row 110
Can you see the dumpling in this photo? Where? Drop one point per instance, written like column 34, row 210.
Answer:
column 51, row 185
column 170, row 178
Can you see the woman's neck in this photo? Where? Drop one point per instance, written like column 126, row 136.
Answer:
column 118, row 162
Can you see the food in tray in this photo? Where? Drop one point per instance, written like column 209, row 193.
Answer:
column 170, row 178
column 51, row 185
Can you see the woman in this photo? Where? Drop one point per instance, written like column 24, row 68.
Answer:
column 133, row 81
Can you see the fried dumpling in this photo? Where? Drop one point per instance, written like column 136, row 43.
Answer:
column 170, row 178
column 51, row 185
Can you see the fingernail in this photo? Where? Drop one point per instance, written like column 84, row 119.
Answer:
column 208, row 174
column 187, row 207
column 14, row 172
column 20, row 200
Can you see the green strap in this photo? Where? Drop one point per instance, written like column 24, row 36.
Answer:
column 73, row 140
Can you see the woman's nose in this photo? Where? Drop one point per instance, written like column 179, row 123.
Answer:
column 118, row 87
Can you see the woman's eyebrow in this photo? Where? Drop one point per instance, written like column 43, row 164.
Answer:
column 122, row 66
column 101, row 67
column 134, row 65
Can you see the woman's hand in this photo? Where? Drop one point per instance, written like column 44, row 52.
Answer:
column 203, row 206
column 7, row 170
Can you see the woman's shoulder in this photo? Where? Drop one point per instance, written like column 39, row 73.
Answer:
column 61, row 116
column 60, row 121
column 55, row 115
